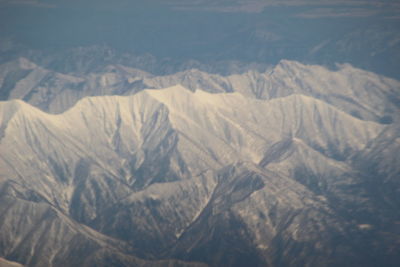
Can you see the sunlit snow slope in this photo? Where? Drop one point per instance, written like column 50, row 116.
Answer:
column 174, row 177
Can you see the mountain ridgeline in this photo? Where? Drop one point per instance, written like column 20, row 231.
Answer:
column 297, row 165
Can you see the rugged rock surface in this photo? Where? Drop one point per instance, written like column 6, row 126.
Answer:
column 173, row 177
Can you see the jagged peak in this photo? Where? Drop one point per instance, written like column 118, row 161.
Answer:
column 178, row 95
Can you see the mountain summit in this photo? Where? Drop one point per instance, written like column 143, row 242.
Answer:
column 164, row 176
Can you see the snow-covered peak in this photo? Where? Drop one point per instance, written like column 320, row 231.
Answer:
column 181, row 158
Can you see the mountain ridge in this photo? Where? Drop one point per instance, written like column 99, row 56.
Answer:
column 192, row 162
column 350, row 89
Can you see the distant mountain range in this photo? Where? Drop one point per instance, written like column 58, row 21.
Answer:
column 296, row 165
column 168, row 36
column 183, row 133
column 360, row 93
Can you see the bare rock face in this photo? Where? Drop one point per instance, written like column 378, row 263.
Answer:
column 257, row 170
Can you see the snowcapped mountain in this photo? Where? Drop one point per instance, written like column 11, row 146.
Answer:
column 362, row 94
column 188, row 133
column 222, row 177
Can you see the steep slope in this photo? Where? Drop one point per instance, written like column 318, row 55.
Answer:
column 213, row 130
column 255, row 210
column 160, row 169
column 35, row 233
column 380, row 162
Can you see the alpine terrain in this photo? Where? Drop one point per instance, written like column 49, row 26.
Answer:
column 198, row 133
column 256, row 169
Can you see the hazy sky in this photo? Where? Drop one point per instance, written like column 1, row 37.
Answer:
column 254, row 30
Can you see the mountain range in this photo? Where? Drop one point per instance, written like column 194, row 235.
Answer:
column 199, row 133
column 297, row 165
column 360, row 93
